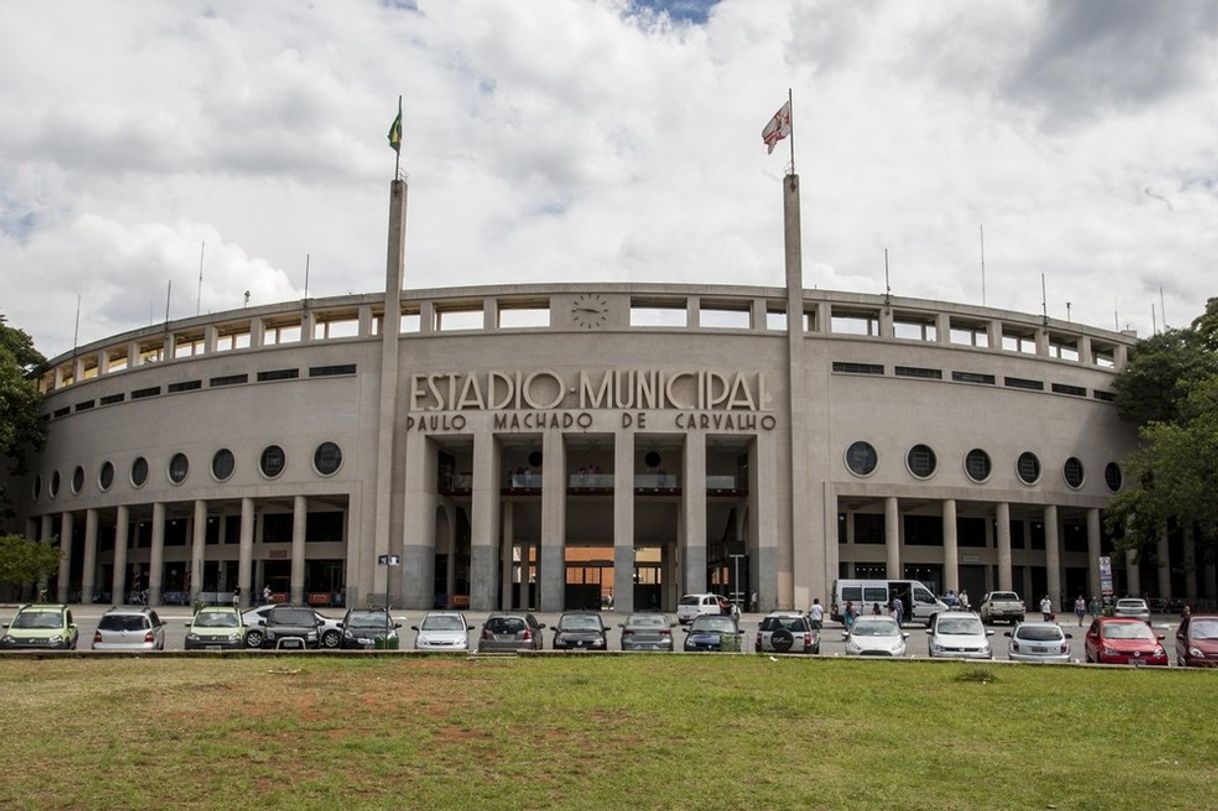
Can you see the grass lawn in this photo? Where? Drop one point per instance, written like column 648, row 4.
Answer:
column 591, row 732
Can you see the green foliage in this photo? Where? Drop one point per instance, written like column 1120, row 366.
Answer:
column 1161, row 373
column 24, row 561
column 21, row 429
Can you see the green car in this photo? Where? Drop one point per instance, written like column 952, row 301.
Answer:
column 216, row 628
column 42, row 627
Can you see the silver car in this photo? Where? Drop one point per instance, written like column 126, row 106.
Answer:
column 129, row 629
column 510, row 631
column 786, row 632
column 1132, row 607
column 647, row 630
column 442, row 631
column 1038, row 642
column 959, row 635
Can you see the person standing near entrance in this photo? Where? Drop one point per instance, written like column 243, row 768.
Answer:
column 1080, row 609
column 1046, row 608
column 898, row 610
column 266, row 593
column 816, row 614
column 237, row 597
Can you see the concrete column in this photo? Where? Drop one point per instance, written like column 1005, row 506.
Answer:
column 156, row 557
column 419, row 524
column 693, row 312
column 892, row 537
column 762, row 539
column 122, row 527
column 245, row 551
column 1132, row 575
column 552, row 574
column 799, row 558
column 505, row 555
column 31, row 529
column 490, row 313
column 1190, row 567
column 198, row 545
column 364, row 314
column 88, row 572
column 1053, row 556
column 450, row 551
column 65, row 560
column 693, row 506
column 757, row 315
column 993, row 334
column 1002, row 517
column 44, row 536
column 1085, row 357
column 1093, row 551
column 1164, row 565
column 296, row 582
column 484, row 529
column 886, row 328
column 623, row 521
column 951, row 548
column 943, row 328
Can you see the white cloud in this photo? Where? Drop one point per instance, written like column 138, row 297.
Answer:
column 594, row 140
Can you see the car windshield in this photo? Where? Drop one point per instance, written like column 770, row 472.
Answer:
column 647, row 621
column 1204, row 629
column 691, row 599
column 1039, row 633
column 216, row 619
column 960, row 625
column 790, row 623
column 1004, row 595
column 872, row 628
column 122, row 622
column 1131, row 605
column 367, row 619
column 293, row 616
column 1126, row 630
column 505, row 625
column 579, row 622
column 723, row 625
column 38, row 619
column 442, row 622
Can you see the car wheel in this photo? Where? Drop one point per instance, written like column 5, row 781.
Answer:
column 253, row 639
column 331, row 640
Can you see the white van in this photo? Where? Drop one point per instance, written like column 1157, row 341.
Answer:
column 921, row 605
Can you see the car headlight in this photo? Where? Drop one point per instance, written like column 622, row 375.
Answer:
column 7, row 638
column 1109, row 651
column 312, row 635
column 935, row 646
column 192, row 636
column 1196, row 652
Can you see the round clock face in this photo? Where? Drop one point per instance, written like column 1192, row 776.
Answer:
column 590, row 311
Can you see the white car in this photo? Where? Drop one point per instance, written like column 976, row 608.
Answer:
column 1134, row 608
column 693, row 606
column 875, row 636
column 330, row 632
column 442, row 631
column 1038, row 642
column 959, row 635
column 129, row 629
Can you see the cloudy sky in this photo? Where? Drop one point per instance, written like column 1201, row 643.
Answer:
column 605, row 140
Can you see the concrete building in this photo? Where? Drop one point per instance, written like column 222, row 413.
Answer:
column 550, row 445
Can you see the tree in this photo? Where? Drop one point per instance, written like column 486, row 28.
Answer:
column 24, row 561
column 21, row 427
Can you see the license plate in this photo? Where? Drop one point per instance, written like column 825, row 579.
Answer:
column 1039, row 649
column 213, row 647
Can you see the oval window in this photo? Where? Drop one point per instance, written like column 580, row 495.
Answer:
column 328, row 458
column 54, row 491
column 977, row 465
column 1028, row 468
column 223, row 464
column 179, row 466
column 78, row 479
column 139, row 471
column 105, row 476
column 37, row 487
column 1113, row 477
column 1073, row 471
column 861, row 458
column 921, row 461
column 272, row 461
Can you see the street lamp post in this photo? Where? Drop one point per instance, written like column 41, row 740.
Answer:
column 736, row 579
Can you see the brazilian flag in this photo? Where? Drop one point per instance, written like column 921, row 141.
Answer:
column 395, row 131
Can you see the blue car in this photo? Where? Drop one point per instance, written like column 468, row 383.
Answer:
column 708, row 633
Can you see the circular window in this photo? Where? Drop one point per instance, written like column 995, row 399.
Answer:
column 328, row 458
column 1113, row 477
column 37, row 487
column 1028, row 468
column 652, row 459
column 977, row 465
column 1073, row 471
column 54, row 491
column 78, row 479
column 223, row 464
column 105, row 476
column 179, row 466
column 921, row 461
column 139, row 471
column 272, row 462
column 861, row 458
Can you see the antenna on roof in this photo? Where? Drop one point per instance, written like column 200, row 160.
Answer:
column 1116, row 316
column 168, row 293
column 306, row 295
column 1044, row 301
column 199, row 295
column 1162, row 309
column 76, row 332
column 1067, row 312
column 887, row 286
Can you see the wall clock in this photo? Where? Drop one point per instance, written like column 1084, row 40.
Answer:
column 590, row 311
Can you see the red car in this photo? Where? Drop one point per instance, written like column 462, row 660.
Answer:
column 1121, row 641
column 1197, row 641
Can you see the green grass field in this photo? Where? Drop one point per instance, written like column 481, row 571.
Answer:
column 592, row 732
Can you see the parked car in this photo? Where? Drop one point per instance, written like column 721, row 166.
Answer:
column 959, row 634
column 134, row 628
column 647, row 630
column 1123, row 641
column 786, row 632
column 330, row 630
column 513, row 631
column 215, row 628
column 1038, row 642
column 1133, row 608
column 1002, row 605
column 872, row 635
column 291, row 626
column 48, row 627
column 692, row 606
column 442, row 631
column 713, row 633
column 581, row 630
column 1197, row 641
column 365, row 628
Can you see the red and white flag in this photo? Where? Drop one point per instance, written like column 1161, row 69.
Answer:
column 778, row 128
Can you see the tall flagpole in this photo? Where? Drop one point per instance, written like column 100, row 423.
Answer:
column 791, row 137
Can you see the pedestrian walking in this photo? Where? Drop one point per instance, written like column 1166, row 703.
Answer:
column 266, row 593
column 1080, row 609
column 963, row 598
column 753, row 602
column 1095, row 607
column 848, row 616
column 816, row 614
column 1046, row 608
column 898, row 610
column 237, row 597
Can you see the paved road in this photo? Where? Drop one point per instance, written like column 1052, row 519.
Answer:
column 832, row 644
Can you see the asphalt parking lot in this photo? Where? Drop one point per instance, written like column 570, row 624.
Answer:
column 832, row 643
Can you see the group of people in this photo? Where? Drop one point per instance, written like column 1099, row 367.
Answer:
column 266, row 595
column 953, row 600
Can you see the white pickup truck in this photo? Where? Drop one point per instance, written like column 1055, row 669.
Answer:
column 1002, row 605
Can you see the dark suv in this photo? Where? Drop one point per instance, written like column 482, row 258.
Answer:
column 291, row 626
